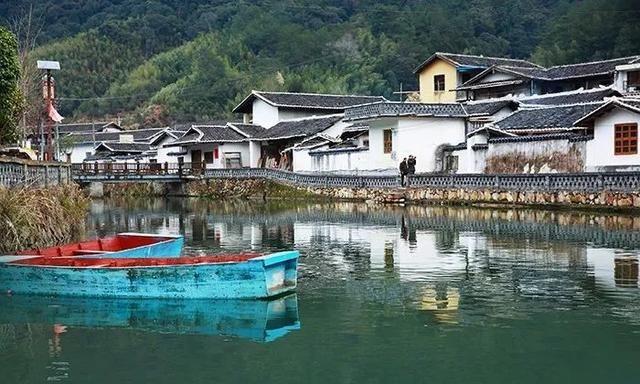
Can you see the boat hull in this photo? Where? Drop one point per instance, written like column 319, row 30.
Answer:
column 260, row 277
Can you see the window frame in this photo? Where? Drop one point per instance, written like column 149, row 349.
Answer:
column 625, row 139
column 439, row 81
column 387, row 141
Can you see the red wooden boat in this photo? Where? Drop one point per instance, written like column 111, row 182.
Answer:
column 123, row 245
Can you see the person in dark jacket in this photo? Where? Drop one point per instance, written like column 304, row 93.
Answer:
column 411, row 165
column 403, row 171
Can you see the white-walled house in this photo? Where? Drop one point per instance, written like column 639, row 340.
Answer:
column 214, row 146
column 82, row 146
column 269, row 108
column 288, row 119
column 591, row 136
column 614, row 128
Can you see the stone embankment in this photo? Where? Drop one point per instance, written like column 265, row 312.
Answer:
column 239, row 188
column 483, row 196
column 263, row 189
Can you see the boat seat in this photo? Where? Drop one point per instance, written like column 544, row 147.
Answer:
column 81, row 252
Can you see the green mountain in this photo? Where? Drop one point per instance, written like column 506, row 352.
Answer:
column 193, row 60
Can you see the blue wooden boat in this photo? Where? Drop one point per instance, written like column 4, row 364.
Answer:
column 236, row 276
column 123, row 245
column 256, row 320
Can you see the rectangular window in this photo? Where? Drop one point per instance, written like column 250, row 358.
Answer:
column 387, row 140
column 208, row 157
column 233, row 160
column 626, row 139
column 633, row 79
column 438, row 83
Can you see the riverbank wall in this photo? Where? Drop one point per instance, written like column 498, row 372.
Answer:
column 253, row 188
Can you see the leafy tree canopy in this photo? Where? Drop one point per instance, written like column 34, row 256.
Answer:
column 192, row 60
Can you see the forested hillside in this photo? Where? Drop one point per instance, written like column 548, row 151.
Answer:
column 193, row 60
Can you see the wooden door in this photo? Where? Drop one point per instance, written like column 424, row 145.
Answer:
column 196, row 159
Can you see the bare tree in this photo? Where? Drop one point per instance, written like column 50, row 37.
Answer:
column 27, row 28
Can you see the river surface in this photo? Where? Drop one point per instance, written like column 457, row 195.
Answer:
column 386, row 295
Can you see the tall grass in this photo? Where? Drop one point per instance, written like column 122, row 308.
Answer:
column 33, row 218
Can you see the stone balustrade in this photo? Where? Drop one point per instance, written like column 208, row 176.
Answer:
column 14, row 172
column 573, row 182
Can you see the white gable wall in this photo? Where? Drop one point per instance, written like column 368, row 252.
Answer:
column 497, row 76
column 600, row 151
column 264, row 114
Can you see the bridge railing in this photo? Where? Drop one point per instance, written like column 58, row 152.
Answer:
column 16, row 172
column 141, row 169
column 550, row 182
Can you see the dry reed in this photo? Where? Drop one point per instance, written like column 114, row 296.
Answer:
column 33, row 218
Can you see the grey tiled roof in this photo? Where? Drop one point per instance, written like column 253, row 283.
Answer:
column 305, row 101
column 250, row 130
column 631, row 104
column 576, row 97
column 556, row 73
column 545, row 118
column 484, row 108
column 124, row 147
column 65, row 129
column 209, row 134
column 543, row 137
column 394, row 109
column 138, row 135
column 588, row 69
column 298, row 128
column 476, row 61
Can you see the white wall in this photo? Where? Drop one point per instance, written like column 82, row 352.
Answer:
column 255, row 151
column 600, row 151
column 377, row 158
column 421, row 138
column 264, row 114
column 470, row 161
column 332, row 161
column 79, row 152
column 243, row 148
column 496, row 76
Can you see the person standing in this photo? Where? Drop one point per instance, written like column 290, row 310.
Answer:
column 403, row 171
column 411, row 165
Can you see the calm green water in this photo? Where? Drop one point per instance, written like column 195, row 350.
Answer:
column 386, row 295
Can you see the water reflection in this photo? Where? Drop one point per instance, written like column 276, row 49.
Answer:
column 485, row 257
column 257, row 320
column 448, row 294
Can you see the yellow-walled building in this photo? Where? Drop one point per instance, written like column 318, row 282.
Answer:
column 442, row 73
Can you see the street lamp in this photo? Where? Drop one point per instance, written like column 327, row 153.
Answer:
column 49, row 66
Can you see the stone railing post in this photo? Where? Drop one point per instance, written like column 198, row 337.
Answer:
column 46, row 175
column 25, row 173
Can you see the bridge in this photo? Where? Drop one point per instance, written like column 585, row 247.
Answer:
column 591, row 182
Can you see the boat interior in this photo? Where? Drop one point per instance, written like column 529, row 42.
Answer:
column 79, row 262
column 97, row 247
